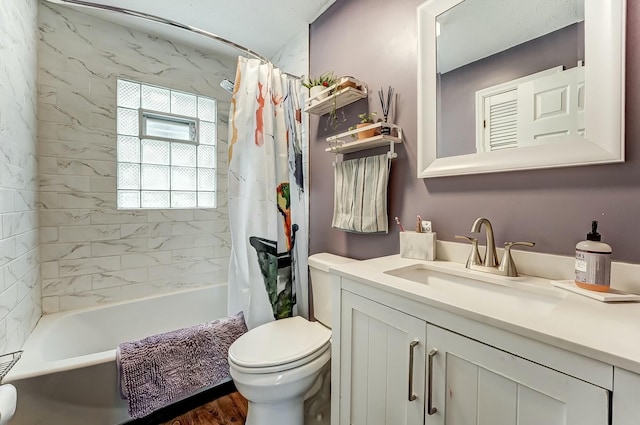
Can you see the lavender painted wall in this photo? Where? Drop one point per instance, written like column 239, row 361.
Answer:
column 457, row 122
column 375, row 40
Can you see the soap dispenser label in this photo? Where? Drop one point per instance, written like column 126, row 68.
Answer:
column 593, row 268
column 581, row 264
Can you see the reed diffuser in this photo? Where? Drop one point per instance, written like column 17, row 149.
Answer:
column 386, row 106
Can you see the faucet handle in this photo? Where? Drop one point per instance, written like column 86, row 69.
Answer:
column 474, row 255
column 508, row 245
column 507, row 265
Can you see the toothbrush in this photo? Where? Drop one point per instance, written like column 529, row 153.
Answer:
column 399, row 224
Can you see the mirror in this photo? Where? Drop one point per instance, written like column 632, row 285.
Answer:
column 567, row 123
column 515, row 86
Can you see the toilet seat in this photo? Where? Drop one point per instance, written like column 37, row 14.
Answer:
column 280, row 345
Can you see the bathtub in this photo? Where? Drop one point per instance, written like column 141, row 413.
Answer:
column 67, row 373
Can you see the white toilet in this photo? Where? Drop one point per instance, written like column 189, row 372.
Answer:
column 275, row 365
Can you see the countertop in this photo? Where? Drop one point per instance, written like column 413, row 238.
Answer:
column 608, row 332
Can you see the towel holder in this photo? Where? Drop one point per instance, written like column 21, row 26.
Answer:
column 391, row 155
column 343, row 143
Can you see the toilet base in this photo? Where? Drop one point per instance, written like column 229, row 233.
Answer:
column 317, row 403
column 289, row 412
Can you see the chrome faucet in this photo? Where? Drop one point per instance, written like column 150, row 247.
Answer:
column 490, row 264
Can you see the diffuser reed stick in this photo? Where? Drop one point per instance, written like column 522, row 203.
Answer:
column 386, row 103
column 386, row 106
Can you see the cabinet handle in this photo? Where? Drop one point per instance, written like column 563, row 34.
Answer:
column 430, row 409
column 412, row 345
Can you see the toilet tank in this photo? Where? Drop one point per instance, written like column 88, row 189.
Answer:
column 319, row 265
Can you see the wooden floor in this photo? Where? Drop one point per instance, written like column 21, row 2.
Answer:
column 227, row 410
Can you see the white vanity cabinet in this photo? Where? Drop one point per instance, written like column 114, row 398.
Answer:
column 475, row 384
column 375, row 345
column 391, row 365
column 625, row 405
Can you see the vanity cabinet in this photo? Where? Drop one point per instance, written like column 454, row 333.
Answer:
column 475, row 384
column 375, row 345
column 396, row 368
column 625, row 406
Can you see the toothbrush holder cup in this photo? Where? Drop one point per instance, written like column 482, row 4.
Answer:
column 418, row 246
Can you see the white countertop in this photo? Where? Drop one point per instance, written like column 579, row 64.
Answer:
column 608, row 332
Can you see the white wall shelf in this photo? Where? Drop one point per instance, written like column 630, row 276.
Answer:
column 344, row 94
column 345, row 143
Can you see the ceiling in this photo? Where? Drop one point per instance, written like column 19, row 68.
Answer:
column 475, row 29
column 263, row 26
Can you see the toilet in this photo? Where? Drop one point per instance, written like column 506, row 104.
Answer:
column 275, row 366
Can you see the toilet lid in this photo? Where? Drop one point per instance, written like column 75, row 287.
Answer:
column 279, row 342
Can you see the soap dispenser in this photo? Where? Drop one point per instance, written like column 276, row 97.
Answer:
column 593, row 262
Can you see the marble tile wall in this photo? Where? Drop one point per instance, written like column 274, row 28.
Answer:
column 293, row 57
column 20, row 299
column 92, row 253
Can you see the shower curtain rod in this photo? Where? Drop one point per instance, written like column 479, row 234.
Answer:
column 168, row 22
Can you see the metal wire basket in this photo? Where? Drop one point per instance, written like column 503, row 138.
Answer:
column 7, row 361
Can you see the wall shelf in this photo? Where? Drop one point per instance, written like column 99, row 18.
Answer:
column 343, row 96
column 345, row 143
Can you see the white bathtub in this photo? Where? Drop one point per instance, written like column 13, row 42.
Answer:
column 67, row 374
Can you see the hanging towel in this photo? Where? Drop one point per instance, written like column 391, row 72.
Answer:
column 360, row 197
column 164, row 368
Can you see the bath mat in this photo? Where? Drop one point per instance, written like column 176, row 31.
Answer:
column 167, row 367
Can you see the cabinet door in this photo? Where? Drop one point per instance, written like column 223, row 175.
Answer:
column 376, row 377
column 475, row 384
column 626, row 410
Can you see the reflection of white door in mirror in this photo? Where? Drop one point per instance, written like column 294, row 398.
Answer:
column 500, row 114
column 595, row 138
column 552, row 107
column 499, row 118
column 540, row 108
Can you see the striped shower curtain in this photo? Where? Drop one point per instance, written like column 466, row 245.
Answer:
column 268, row 269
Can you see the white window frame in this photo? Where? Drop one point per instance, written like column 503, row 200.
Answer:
column 194, row 125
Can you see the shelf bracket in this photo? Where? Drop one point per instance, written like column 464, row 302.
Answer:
column 392, row 153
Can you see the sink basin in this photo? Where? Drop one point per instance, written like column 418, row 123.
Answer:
column 480, row 288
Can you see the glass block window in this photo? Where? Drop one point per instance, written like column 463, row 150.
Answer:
column 166, row 148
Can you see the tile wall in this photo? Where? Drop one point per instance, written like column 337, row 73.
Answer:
column 20, row 297
column 293, row 57
column 91, row 252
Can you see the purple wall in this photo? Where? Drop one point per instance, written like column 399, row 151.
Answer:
column 375, row 41
column 457, row 132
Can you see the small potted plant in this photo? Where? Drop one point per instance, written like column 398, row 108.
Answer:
column 366, row 119
column 316, row 85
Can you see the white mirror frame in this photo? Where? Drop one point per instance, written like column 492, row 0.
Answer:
column 604, row 102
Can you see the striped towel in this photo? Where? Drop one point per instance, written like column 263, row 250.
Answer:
column 360, row 197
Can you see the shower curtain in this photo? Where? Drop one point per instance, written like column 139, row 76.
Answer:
column 268, row 269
